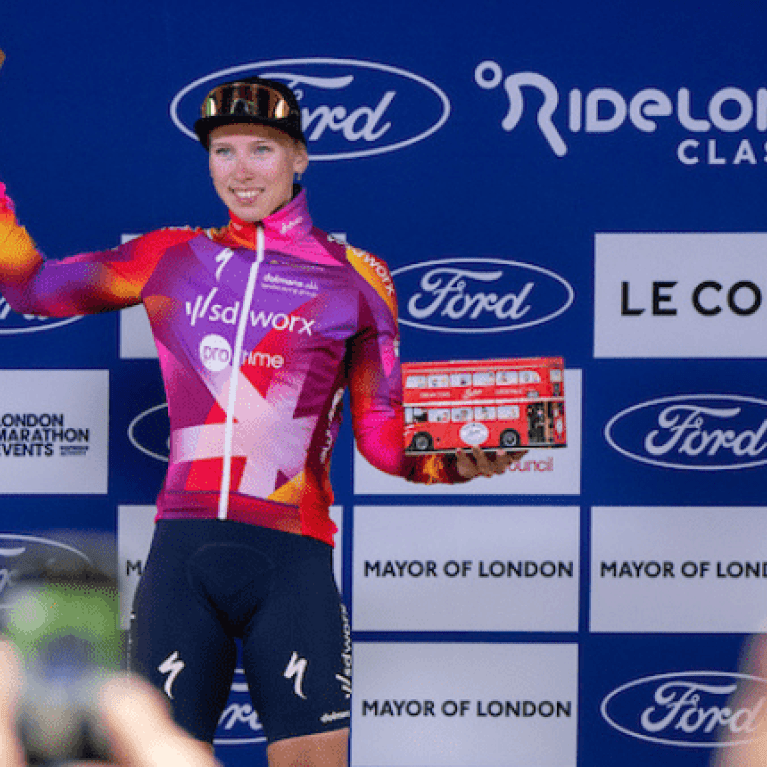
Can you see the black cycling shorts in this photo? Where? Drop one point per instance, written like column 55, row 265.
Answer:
column 208, row 582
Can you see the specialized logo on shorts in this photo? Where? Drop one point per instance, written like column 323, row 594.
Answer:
column 172, row 666
column 295, row 670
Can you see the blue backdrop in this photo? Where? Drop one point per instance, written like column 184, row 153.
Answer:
column 602, row 167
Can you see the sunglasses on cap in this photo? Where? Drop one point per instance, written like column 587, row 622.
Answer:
column 262, row 102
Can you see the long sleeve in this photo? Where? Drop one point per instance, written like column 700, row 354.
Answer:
column 375, row 386
column 82, row 284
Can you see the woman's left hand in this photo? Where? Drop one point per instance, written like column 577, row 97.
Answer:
column 478, row 463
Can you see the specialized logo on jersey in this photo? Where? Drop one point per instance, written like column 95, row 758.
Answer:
column 222, row 259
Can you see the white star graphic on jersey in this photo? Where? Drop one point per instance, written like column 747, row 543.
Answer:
column 275, row 440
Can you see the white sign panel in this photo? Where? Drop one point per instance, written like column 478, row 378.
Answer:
column 135, row 526
column 445, row 705
column 54, row 431
column 543, row 471
column 678, row 569
column 680, row 295
column 458, row 568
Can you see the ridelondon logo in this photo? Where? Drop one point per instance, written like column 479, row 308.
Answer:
column 350, row 108
column 479, row 295
column 723, row 127
column 13, row 324
column 703, row 432
column 688, row 709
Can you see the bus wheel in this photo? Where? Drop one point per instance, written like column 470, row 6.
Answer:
column 422, row 442
column 509, row 438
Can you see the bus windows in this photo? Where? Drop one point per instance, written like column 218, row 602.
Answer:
column 461, row 414
column 438, row 381
column 439, row 415
column 508, row 412
column 460, row 379
column 506, row 377
column 415, row 415
column 529, row 377
column 484, row 378
column 484, row 413
column 415, row 382
column 555, row 374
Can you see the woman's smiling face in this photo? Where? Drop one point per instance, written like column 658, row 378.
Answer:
column 253, row 167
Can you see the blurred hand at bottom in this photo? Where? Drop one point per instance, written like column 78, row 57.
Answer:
column 136, row 718
column 750, row 704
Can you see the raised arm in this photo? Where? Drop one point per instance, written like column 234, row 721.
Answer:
column 81, row 284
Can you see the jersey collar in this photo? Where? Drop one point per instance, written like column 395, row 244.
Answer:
column 290, row 223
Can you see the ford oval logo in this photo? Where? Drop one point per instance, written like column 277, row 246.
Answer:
column 12, row 324
column 350, row 108
column 238, row 724
column 18, row 551
column 148, row 432
column 703, row 432
column 690, row 709
column 479, row 295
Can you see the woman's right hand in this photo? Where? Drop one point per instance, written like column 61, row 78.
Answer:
column 6, row 203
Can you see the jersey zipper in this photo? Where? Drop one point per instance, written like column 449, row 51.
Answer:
column 239, row 342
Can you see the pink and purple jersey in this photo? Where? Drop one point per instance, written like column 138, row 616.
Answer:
column 260, row 328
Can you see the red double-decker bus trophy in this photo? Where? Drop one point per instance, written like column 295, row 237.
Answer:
column 491, row 404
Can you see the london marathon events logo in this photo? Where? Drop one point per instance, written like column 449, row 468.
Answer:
column 479, row 295
column 703, row 432
column 688, row 709
column 350, row 108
